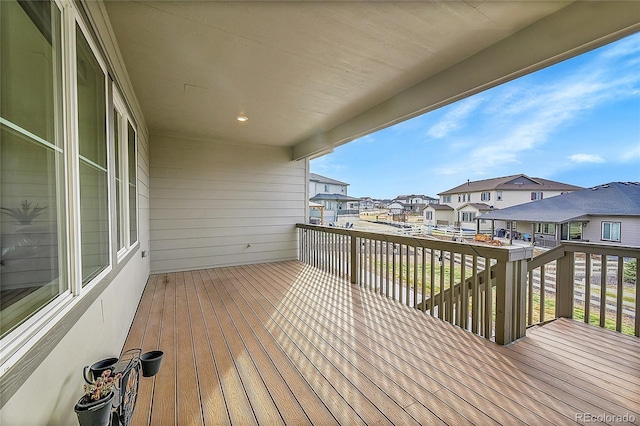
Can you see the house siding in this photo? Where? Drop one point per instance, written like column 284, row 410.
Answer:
column 215, row 204
column 316, row 188
column 629, row 230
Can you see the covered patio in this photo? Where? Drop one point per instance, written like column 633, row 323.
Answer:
column 174, row 140
column 286, row 343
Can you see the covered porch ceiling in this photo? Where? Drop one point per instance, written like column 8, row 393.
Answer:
column 314, row 75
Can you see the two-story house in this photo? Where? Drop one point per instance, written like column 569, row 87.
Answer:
column 332, row 195
column 413, row 203
column 465, row 202
column 367, row 203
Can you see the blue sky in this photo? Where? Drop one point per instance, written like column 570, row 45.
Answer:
column 576, row 122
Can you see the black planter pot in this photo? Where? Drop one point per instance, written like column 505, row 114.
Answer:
column 94, row 413
column 97, row 368
column 151, row 363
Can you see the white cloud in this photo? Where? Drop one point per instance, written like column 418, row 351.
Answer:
column 631, row 154
column 525, row 116
column 586, row 158
column 454, row 119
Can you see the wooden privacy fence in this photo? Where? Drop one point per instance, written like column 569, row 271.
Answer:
column 481, row 289
column 595, row 283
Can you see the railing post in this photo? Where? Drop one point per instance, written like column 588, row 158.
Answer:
column 564, row 285
column 354, row 259
column 511, row 281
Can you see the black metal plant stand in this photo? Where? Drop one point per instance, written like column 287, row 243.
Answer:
column 127, row 393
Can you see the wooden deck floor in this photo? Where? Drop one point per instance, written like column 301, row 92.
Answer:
column 285, row 343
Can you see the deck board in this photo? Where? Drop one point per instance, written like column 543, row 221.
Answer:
column 285, row 343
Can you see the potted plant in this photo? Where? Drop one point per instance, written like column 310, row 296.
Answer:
column 25, row 214
column 94, row 408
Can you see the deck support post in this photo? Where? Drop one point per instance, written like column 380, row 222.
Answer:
column 511, row 281
column 564, row 285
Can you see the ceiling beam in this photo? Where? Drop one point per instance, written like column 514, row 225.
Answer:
column 575, row 29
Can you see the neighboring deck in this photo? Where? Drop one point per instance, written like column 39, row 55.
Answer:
column 285, row 343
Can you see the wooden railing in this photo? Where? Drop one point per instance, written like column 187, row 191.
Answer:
column 479, row 288
column 570, row 281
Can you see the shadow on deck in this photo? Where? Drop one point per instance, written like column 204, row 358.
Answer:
column 285, row 343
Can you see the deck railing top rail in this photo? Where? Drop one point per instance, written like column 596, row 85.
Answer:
column 503, row 253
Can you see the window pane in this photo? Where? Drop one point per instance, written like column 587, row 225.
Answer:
column 133, row 186
column 31, row 161
column 94, row 214
column 117, row 122
column 615, row 231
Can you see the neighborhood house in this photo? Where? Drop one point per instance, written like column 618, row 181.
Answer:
column 607, row 214
column 459, row 206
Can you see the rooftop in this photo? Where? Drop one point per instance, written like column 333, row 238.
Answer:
column 513, row 182
column 314, row 177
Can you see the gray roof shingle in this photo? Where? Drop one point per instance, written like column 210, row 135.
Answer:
column 314, row 177
column 513, row 182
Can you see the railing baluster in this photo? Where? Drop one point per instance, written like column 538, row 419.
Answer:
column 619, row 292
column 400, row 280
column 424, row 280
column 407, row 276
column 415, row 277
column 530, row 299
column 475, row 296
column 441, row 305
column 543, row 282
column 463, row 308
column 450, row 312
column 603, row 289
column 382, row 262
column 587, row 287
column 488, row 308
column 432, row 283
column 387, row 264
column 393, row 274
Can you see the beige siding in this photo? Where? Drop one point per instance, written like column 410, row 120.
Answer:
column 216, row 204
column 629, row 230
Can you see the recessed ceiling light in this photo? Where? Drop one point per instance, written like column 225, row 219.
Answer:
column 242, row 118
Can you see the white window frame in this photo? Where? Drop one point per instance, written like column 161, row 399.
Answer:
column 498, row 195
column 119, row 106
column 26, row 335
column 20, row 340
column 467, row 216
column 75, row 168
column 537, row 195
column 611, row 225
column 137, row 212
column 485, row 196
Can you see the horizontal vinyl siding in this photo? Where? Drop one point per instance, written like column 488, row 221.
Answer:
column 629, row 230
column 216, row 204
